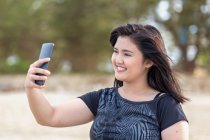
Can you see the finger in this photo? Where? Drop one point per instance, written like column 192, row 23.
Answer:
column 31, row 84
column 34, row 85
column 38, row 86
column 39, row 71
column 38, row 77
column 40, row 62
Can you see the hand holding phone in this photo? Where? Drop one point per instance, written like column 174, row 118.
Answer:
column 46, row 52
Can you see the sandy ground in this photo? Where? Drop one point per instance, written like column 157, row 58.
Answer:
column 17, row 122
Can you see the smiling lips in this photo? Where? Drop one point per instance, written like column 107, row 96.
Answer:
column 120, row 69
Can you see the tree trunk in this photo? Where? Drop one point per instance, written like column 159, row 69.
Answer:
column 185, row 64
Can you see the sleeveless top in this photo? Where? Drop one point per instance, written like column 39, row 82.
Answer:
column 117, row 118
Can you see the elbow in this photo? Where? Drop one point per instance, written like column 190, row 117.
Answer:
column 42, row 122
column 46, row 123
column 45, row 120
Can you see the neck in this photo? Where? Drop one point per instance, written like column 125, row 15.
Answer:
column 136, row 88
column 139, row 87
column 137, row 92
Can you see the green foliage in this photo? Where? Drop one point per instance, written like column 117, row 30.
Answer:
column 85, row 27
column 20, row 67
column 204, row 59
column 80, row 29
column 189, row 24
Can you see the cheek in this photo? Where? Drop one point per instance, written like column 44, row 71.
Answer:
column 113, row 59
column 136, row 65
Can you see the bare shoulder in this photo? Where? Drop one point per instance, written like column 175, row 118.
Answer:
column 178, row 131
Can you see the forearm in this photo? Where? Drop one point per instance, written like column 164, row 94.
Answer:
column 40, row 107
column 72, row 113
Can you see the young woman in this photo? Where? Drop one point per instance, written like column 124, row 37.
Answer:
column 143, row 104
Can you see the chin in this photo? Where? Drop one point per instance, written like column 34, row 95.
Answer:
column 120, row 78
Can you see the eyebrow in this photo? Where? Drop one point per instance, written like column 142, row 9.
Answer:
column 124, row 50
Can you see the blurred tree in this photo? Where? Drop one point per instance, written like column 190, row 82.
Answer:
column 189, row 23
column 79, row 29
column 83, row 27
column 22, row 29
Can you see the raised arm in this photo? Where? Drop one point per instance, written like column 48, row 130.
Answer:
column 72, row 113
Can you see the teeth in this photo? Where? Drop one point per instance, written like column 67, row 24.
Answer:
column 121, row 68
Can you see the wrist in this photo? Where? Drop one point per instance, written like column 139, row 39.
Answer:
column 30, row 90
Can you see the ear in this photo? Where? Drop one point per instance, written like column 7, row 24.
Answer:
column 148, row 63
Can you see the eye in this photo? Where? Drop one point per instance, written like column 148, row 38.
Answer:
column 115, row 51
column 127, row 54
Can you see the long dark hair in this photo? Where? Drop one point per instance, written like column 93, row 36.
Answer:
column 149, row 41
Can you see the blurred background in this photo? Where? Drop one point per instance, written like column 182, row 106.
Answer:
column 81, row 59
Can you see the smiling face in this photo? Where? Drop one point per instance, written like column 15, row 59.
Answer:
column 128, row 61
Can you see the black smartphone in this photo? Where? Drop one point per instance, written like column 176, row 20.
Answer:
column 46, row 52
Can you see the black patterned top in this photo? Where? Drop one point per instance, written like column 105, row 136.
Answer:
column 117, row 118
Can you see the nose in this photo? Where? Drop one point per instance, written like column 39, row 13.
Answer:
column 119, row 59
